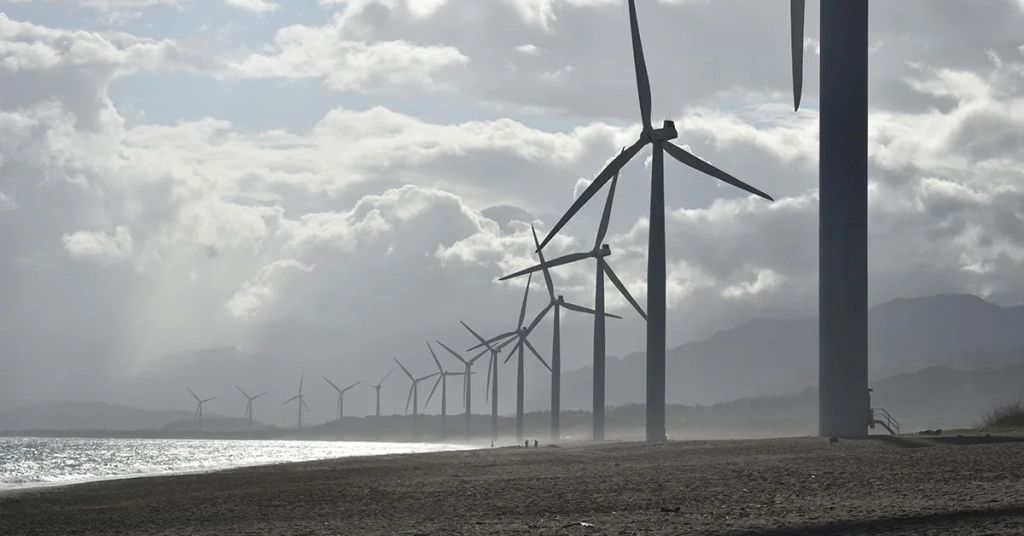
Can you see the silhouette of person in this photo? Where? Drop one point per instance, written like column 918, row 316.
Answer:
column 534, row 443
column 527, row 443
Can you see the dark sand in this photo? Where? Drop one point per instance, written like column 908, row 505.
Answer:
column 944, row 485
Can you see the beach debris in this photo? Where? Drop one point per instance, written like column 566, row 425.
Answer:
column 833, row 439
column 668, row 509
column 578, row 524
column 931, row 432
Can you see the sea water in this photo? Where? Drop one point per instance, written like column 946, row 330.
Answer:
column 30, row 462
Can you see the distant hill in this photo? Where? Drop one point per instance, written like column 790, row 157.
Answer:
column 777, row 355
column 86, row 416
column 213, row 423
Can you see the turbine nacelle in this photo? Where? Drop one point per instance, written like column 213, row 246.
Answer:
column 665, row 133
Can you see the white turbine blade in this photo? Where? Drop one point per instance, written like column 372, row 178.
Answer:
column 796, row 19
column 332, row 383
column 704, row 167
column 606, row 216
column 241, row 391
column 540, row 256
column 612, row 168
column 289, row 400
column 565, row 259
column 536, row 354
column 586, row 310
column 405, row 370
column 643, row 83
column 193, row 394
column 432, row 354
column 622, row 290
column 526, row 294
column 450, row 351
column 431, row 395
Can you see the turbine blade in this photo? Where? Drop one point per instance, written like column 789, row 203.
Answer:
column 257, row 396
column 332, row 383
column 565, row 259
column 241, row 391
column 796, row 19
column 193, row 394
column 386, row 376
column 304, row 404
column 622, row 290
column 487, row 392
column 208, row 399
column 408, row 399
column 438, row 382
column 607, row 214
column 300, row 382
column 704, row 167
column 475, row 334
column 540, row 256
column 612, row 168
column 643, row 83
column 492, row 340
column 349, row 387
column 432, row 354
column 538, row 319
column 427, row 377
column 537, row 354
column 526, row 294
column 587, row 310
column 514, row 348
column 450, row 351
column 289, row 400
column 478, row 356
column 405, row 370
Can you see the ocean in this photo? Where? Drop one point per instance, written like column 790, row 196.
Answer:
column 31, row 462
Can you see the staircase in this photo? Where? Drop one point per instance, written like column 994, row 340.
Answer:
column 881, row 417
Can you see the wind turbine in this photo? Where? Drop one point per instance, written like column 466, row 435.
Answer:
column 556, row 304
column 341, row 397
column 298, row 397
column 492, row 374
column 199, row 409
column 467, row 387
column 377, row 386
column 520, row 337
column 248, row 406
column 660, row 139
column 443, row 381
column 414, row 394
column 843, row 397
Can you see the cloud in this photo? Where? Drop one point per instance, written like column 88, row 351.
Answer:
column 100, row 246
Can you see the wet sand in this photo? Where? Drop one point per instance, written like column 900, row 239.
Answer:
column 943, row 485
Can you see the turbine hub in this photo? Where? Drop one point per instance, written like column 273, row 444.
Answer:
column 665, row 133
column 603, row 251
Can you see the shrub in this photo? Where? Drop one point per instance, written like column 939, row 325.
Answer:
column 1005, row 416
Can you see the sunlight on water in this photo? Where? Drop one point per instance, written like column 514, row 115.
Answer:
column 28, row 461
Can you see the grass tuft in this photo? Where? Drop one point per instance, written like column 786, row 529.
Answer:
column 1005, row 416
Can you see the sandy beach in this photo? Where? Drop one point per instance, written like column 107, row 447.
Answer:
column 941, row 485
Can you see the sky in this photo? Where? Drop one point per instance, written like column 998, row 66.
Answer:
column 183, row 174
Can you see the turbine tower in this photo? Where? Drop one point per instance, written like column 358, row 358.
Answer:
column 492, row 374
column 377, row 386
column 301, row 402
column 248, row 407
column 843, row 400
column 660, row 139
column 556, row 304
column 199, row 409
column 467, row 385
column 414, row 394
column 520, row 338
column 443, row 381
column 341, row 397
column 599, row 253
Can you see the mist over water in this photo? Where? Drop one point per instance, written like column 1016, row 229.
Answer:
column 30, row 462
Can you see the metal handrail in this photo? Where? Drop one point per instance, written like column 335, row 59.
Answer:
column 890, row 421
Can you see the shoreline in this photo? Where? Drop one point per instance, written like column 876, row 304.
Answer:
column 967, row 484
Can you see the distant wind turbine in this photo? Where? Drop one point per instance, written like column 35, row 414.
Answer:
column 520, row 338
column 414, row 394
column 301, row 403
column 341, row 397
column 656, row 264
column 199, row 409
column 599, row 253
column 467, row 385
column 443, row 381
column 248, row 407
column 492, row 373
column 376, row 387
